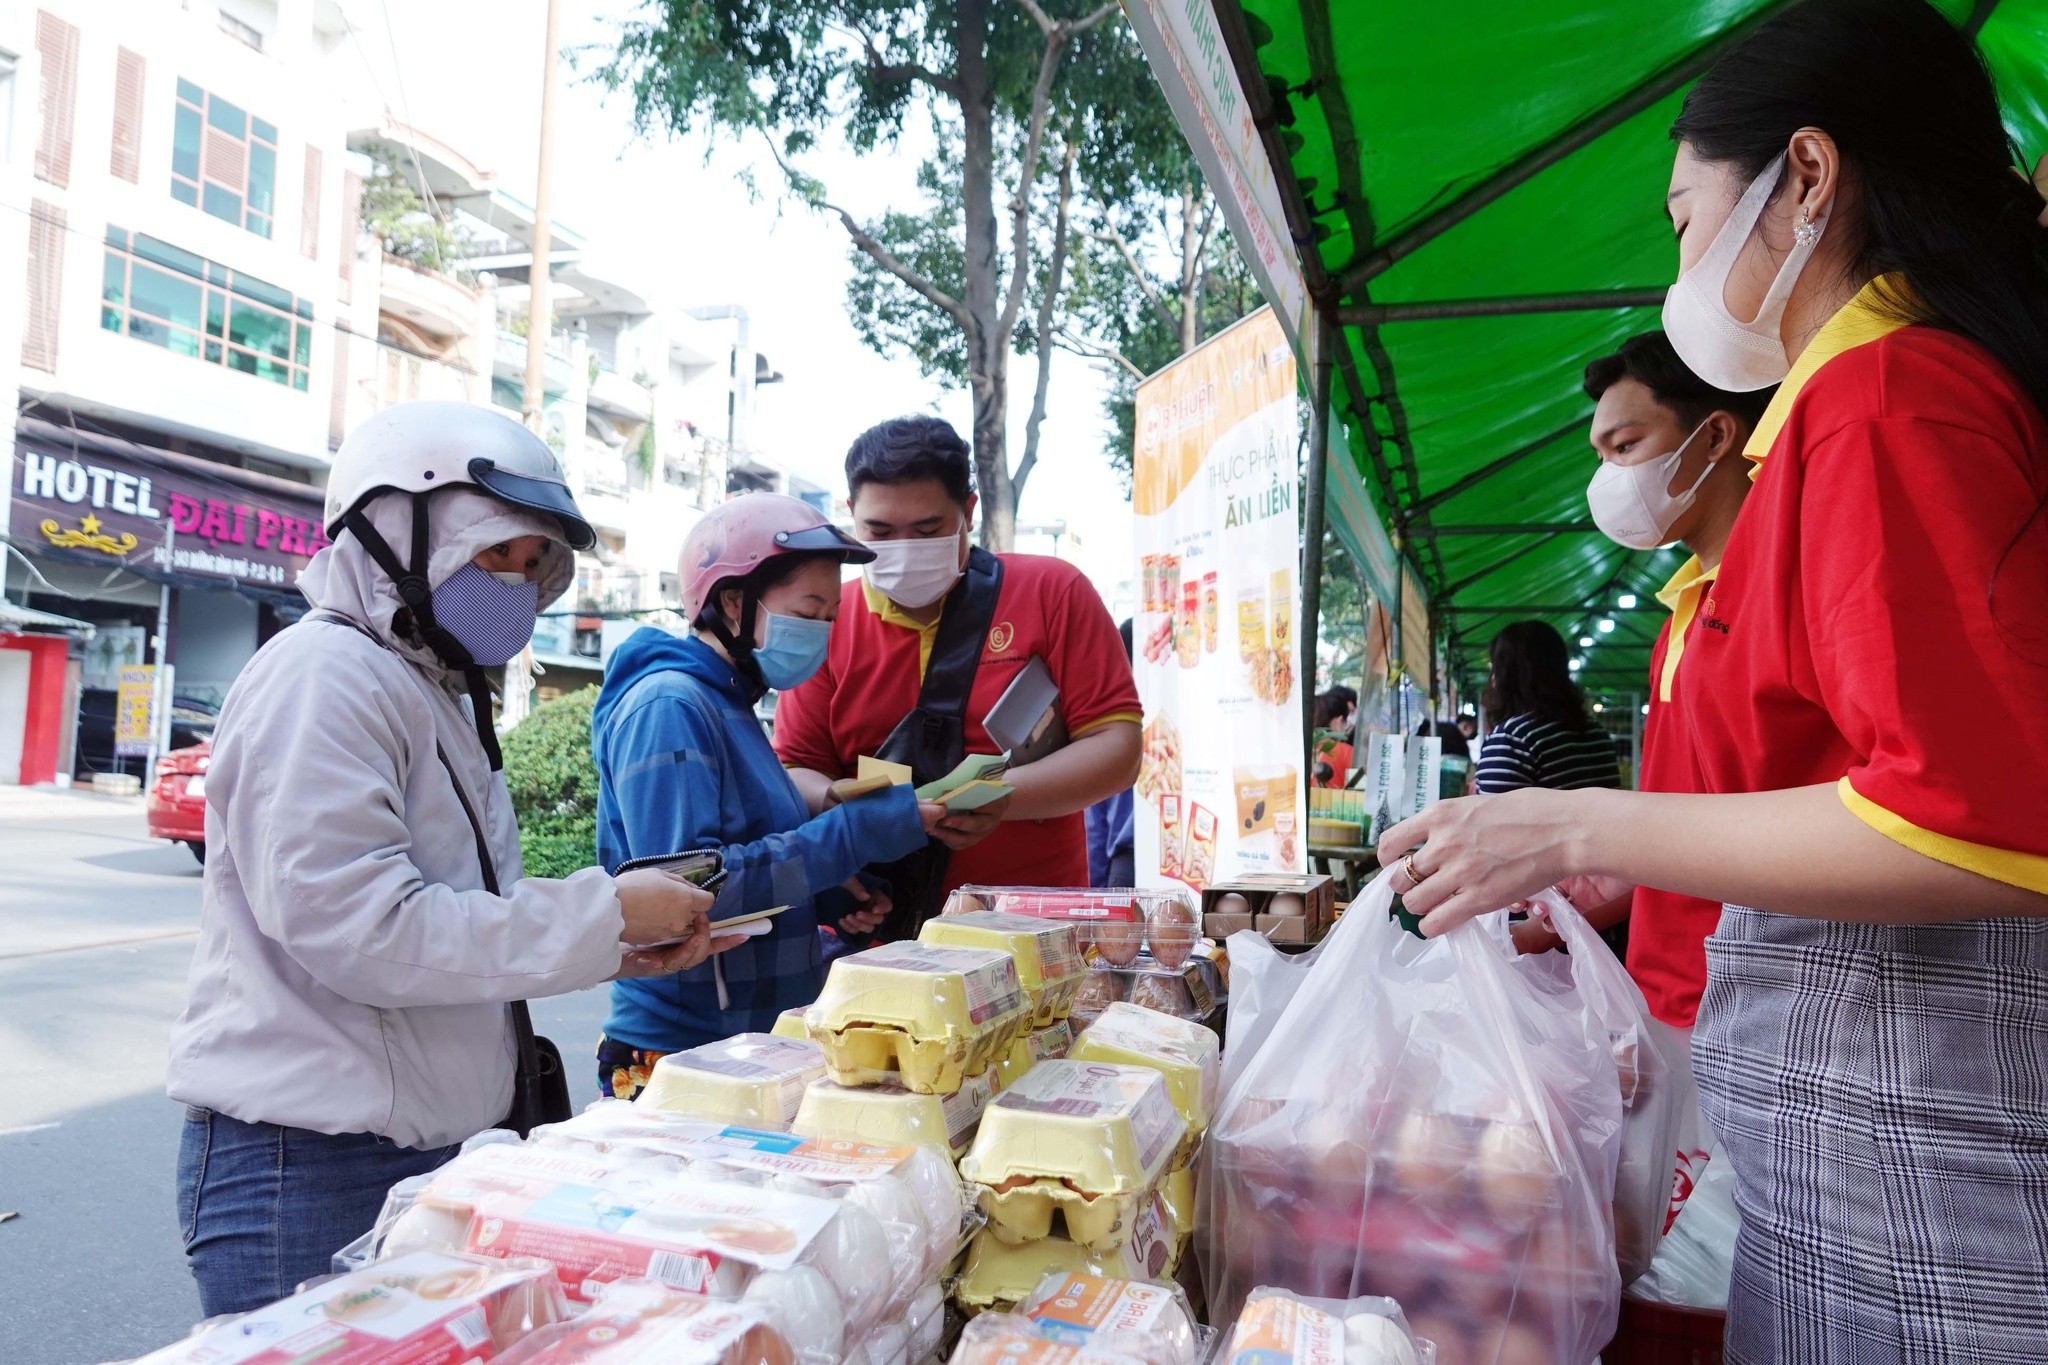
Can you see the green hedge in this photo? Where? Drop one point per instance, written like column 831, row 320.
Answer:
column 554, row 785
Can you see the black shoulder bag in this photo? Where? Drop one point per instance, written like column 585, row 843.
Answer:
column 540, row 1085
column 932, row 739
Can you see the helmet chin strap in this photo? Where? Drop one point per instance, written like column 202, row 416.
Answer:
column 739, row 646
column 418, row 597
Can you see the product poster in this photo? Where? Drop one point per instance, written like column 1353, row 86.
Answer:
column 1215, row 479
column 134, row 703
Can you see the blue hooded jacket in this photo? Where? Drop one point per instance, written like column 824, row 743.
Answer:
column 683, row 764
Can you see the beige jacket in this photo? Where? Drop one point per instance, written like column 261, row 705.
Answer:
column 351, row 975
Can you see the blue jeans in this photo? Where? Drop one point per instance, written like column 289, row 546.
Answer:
column 264, row 1208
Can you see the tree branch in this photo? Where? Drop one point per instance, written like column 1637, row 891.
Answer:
column 1027, row 171
column 885, row 72
column 1153, row 297
column 1098, row 350
column 1048, row 301
column 811, row 191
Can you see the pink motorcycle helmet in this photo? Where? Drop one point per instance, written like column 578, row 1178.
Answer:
column 737, row 538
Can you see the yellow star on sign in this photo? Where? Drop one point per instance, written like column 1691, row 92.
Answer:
column 90, row 525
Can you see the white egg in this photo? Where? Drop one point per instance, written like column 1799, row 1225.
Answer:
column 429, row 1225
column 853, row 1253
column 936, row 1184
column 895, row 1206
column 928, row 1316
column 803, row 1307
column 730, row 1280
column 889, row 1343
column 1373, row 1340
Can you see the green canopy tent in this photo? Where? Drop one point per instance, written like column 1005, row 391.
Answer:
column 1454, row 207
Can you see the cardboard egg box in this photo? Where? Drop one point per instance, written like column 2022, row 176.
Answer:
column 1318, row 907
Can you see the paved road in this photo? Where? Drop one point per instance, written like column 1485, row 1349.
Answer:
column 97, row 923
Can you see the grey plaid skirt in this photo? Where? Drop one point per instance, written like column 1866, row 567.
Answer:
column 1882, row 1095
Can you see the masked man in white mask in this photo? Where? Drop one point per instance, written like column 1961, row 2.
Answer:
column 926, row 643
column 1670, row 472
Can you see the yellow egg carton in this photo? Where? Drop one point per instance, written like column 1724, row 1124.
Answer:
column 997, row 1274
column 1086, row 1140
column 1188, row 1055
column 1178, row 1191
column 1047, row 951
column 923, row 1015
column 790, row 1024
column 753, row 1080
column 1052, row 1041
column 890, row 1116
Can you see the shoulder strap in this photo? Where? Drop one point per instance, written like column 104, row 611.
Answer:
column 963, row 624
column 522, row 1018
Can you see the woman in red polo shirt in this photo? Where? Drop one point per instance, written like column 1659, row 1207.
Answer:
column 1872, row 1048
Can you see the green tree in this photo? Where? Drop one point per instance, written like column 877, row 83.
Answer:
column 1030, row 99
column 1156, row 276
column 408, row 226
column 553, row 782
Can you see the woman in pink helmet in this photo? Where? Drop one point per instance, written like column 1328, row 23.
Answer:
column 683, row 764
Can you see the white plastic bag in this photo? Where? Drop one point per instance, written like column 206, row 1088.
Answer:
column 1429, row 1123
column 1654, row 1076
column 1262, row 980
column 1697, row 1256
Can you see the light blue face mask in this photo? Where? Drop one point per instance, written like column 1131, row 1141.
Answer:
column 491, row 615
column 793, row 650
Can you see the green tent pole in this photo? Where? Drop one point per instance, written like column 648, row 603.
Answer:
column 1312, row 524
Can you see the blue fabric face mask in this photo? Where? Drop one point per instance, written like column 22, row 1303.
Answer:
column 793, row 650
column 490, row 614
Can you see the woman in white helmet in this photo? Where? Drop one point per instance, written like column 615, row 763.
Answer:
column 366, row 939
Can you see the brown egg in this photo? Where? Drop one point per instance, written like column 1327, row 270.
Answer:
column 1099, row 990
column 1516, row 1174
column 1430, row 1154
column 1336, row 1151
column 1118, row 941
column 760, row 1346
column 1167, row 994
column 1515, row 1344
column 1172, row 928
column 1287, row 903
column 1230, row 903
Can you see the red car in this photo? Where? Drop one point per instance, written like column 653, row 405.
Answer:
column 177, row 803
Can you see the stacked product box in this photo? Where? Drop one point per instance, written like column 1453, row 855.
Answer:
column 1140, row 946
column 1070, row 1168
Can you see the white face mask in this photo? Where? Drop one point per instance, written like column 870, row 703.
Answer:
column 914, row 573
column 1632, row 504
column 1726, row 352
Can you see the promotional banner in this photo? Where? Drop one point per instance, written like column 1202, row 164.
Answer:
column 1214, row 485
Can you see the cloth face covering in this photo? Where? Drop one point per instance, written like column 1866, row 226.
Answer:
column 915, row 573
column 793, row 649
column 490, row 614
column 1631, row 504
column 1728, row 353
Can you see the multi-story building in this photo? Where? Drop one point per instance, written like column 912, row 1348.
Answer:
column 231, row 254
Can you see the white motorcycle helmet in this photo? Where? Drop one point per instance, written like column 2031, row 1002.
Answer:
column 417, row 449
column 421, row 447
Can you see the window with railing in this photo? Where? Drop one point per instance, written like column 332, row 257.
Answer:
column 224, row 160
column 154, row 292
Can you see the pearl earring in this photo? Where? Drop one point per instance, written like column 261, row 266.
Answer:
column 1808, row 231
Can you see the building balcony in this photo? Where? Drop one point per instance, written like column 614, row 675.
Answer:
column 511, row 362
column 619, row 395
column 436, row 304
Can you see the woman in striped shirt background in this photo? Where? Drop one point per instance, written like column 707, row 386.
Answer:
column 1541, row 737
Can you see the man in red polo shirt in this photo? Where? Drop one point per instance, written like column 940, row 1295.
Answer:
column 910, row 485
column 1667, row 441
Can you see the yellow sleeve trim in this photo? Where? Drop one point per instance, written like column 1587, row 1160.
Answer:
column 2028, row 871
column 1133, row 717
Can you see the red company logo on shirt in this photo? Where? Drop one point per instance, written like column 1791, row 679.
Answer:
column 1000, row 636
